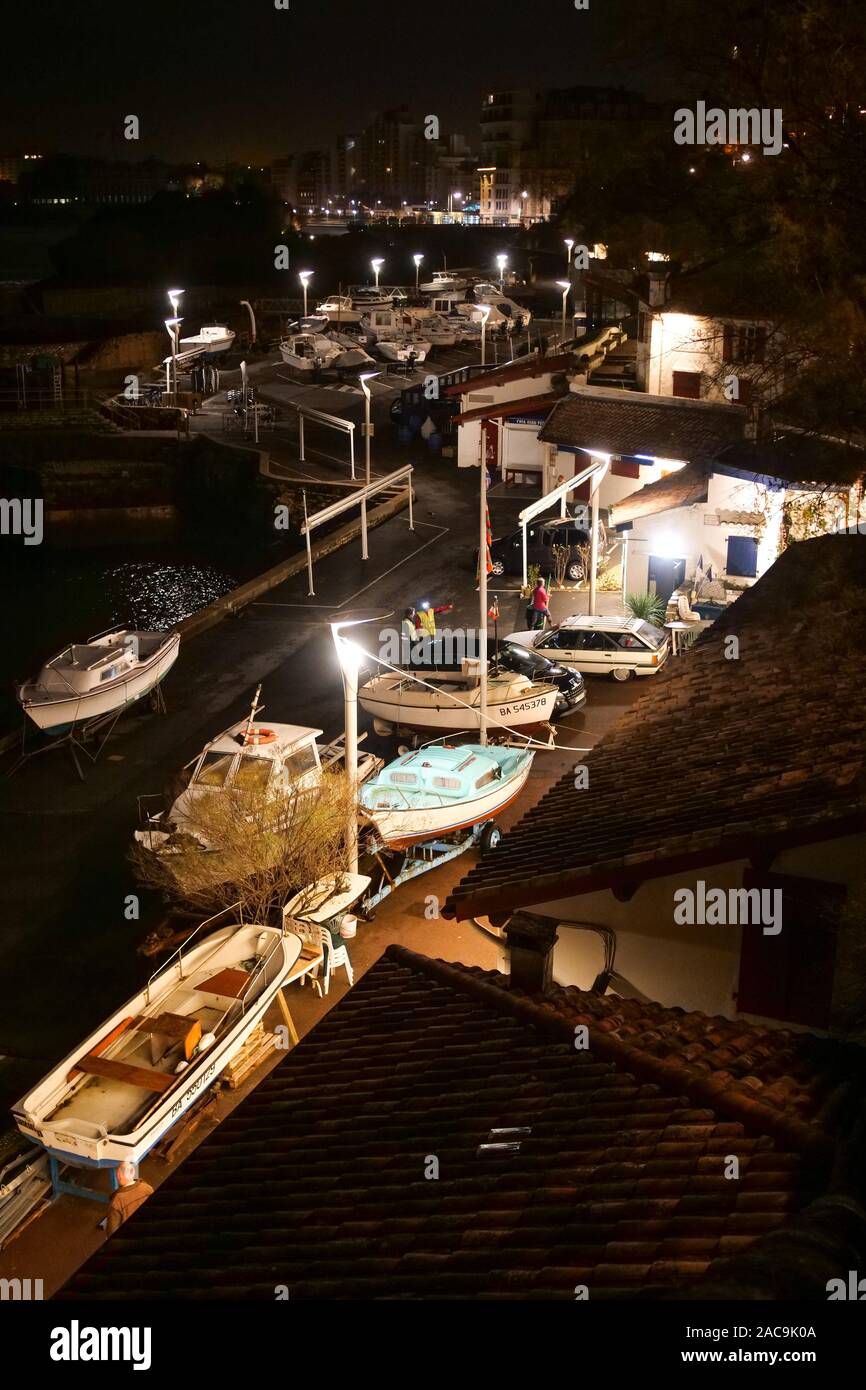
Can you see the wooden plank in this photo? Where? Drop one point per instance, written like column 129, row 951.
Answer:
column 145, row 1077
column 103, row 1044
column 230, row 983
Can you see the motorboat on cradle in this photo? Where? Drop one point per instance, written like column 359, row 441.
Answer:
column 338, row 308
column 366, row 297
column 99, row 677
column 127, row 1084
column 215, row 339
column 306, row 353
column 450, row 702
column 352, row 356
column 280, row 762
column 438, row 331
column 444, row 281
column 439, row 790
column 509, row 308
column 404, row 347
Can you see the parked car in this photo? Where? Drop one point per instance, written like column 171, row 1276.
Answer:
column 513, row 656
column 506, row 552
column 617, row 647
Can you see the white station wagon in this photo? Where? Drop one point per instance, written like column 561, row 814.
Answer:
column 615, row 647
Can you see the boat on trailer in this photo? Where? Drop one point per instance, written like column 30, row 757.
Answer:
column 450, row 701
column 440, row 790
column 99, row 677
column 277, row 761
column 127, row 1084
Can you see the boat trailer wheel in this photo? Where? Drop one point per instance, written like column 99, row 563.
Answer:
column 490, row 836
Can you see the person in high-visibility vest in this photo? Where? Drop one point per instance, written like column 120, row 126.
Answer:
column 425, row 617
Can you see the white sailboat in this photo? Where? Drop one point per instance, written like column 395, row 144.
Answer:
column 451, row 702
column 99, row 677
column 125, row 1086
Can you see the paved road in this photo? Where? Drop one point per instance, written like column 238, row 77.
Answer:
column 70, row 952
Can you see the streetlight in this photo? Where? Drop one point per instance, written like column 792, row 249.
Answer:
column 565, row 285
column 570, row 247
column 417, row 258
column 377, row 266
column 174, row 300
column 368, row 428
column 350, row 657
column 502, row 262
column 485, row 315
column 451, row 197
column 173, row 329
column 305, row 277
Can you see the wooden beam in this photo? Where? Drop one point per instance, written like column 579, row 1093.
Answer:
column 145, row 1077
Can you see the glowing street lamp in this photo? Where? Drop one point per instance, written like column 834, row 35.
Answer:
column 368, row 430
column 502, row 262
column 350, row 657
column 569, row 247
column 565, row 286
column 417, row 258
column 173, row 330
column 174, row 300
column 377, row 264
column 305, row 276
column 485, row 315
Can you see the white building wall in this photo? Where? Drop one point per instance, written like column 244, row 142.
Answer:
column 690, row 343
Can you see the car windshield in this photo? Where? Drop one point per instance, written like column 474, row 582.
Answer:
column 650, row 633
column 521, row 657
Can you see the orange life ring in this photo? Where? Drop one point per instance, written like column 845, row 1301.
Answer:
column 255, row 737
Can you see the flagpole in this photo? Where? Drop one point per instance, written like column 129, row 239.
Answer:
column 482, row 584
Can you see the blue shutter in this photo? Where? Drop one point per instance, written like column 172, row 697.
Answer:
column 742, row 556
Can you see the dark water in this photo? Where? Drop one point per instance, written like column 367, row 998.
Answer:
column 51, row 596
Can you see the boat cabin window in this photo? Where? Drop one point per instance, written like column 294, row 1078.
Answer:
column 214, row 769
column 108, row 674
column 252, row 773
column 302, row 760
column 451, row 784
column 488, row 777
column 404, row 779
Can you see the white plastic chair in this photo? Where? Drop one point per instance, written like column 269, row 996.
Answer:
column 334, row 956
column 312, row 951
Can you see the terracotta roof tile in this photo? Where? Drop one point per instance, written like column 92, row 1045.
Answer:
column 615, row 422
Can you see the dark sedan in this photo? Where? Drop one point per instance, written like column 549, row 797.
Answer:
column 513, row 657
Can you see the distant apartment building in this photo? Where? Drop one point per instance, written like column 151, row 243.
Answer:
column 68, row 179
column 391, row 159
column 533, row 145
column 13, row 165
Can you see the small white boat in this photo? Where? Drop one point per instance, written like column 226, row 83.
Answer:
column 307, row 353
column 508, row 308
column 403, row 347
column 127, row 1084
column 366, row 297
column 338, row 308
column 279, row 761
column 439, row 331
column 443, row 280
column 215, row 338
column 439, row 790
column 99, row 677
column 352, row 357
column 450, row 702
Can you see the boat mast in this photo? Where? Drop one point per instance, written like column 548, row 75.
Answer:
column 254, row 709
column 482, row 585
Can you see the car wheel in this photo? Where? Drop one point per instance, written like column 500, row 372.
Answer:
column 622, row 673
column 575, row 571
column 490, row 836
column 497, row 567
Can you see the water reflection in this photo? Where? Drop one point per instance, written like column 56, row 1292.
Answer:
column 152, row 595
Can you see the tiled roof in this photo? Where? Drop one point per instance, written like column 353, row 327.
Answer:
column 717, row 754
column 683, row 488
column 538, row 365
column 797, row 457
column 632, row 423
column 317, row 1180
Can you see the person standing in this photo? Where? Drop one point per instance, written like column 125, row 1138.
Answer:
column 539, row 609
column 131, row 1192
column 425, row 617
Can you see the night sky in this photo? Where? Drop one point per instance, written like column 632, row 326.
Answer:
column 238, row 79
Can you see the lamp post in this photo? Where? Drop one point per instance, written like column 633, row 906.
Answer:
column 417, row 259
column 368, row 434
column 350, row 657
column 451, row 197
column 377, row 264
column 173, row 329
column 569, row 246
column 305, row 277
column 565, row 286
column 485, row 315
column 502, row 262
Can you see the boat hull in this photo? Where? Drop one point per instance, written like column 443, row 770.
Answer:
column 401, row 829
column 525, row 714
column 108, row 1149
column 60, row 715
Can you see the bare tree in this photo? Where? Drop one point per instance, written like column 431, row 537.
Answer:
column 243, row 846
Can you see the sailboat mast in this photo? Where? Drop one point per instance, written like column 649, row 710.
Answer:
column 254, row 709
column 482, row 584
